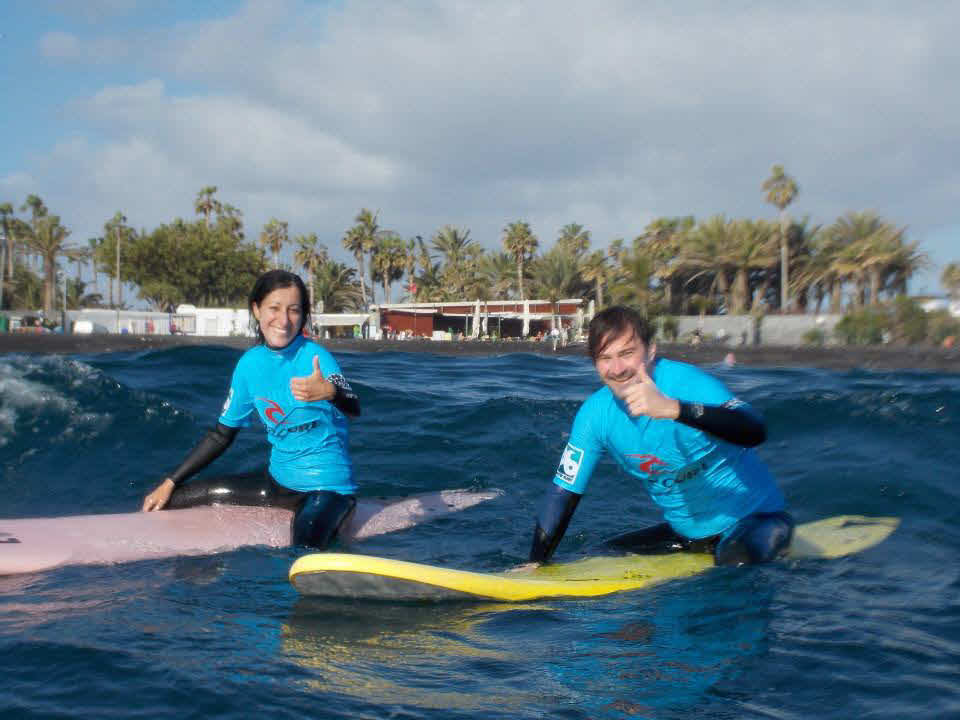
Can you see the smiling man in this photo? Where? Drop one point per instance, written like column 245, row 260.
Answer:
column 684, row 437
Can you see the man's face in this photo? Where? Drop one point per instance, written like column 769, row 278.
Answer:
column 618, row 363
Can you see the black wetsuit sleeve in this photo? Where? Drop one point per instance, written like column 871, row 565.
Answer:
column 210, row 447
column 345, row 399
column 734, row 421
column 555, row 513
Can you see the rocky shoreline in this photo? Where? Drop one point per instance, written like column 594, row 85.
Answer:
column 833, row 358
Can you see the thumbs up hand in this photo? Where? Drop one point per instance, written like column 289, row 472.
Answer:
column 643, row 397
column 312, row 387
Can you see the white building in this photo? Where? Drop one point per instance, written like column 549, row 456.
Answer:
column 211, row 322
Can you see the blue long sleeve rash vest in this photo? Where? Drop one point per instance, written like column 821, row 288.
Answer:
column 309, row 440
column 703, row 484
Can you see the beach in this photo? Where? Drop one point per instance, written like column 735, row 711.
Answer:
column 882, row 357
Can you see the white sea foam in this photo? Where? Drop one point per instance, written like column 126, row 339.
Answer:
column 24, row 397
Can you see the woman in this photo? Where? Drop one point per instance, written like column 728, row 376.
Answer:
column 296, row 388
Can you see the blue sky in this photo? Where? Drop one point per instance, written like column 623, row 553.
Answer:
column 476, row 114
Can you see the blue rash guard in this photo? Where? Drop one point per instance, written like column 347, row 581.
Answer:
column 703, row 484
column 308, row 440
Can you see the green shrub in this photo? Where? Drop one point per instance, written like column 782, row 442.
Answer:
column 908, row 322
column 669, row 328
column 941, row 325
column 815, row 336
column 862, row 327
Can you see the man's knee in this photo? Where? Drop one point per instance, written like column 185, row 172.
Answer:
column 757, row 538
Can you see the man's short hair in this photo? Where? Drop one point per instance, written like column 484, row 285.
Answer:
column 609, row 324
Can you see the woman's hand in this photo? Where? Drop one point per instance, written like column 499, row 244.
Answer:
column 159, row 498
column 313, row 387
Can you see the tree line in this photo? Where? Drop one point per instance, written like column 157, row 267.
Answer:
column 676, row 265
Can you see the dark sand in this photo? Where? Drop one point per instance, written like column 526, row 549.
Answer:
column 834, row 358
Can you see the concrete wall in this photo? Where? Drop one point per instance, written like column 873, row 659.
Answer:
column 742, row 330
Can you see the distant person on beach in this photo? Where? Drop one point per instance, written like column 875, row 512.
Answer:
column 682, row 435
column 299, row 393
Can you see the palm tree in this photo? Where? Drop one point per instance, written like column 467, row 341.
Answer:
column 802, row 240
column 879, row 253
column 751, row 249
column 429, row 270
column 663, row 238
column 6, row 213
column 520, row 242
column 353, row 243
column 205, row 204
column 594, row 269
column 48, row 241
column 615, row 250
column 430, row 286
column 781, row 189
column 93, row 244
column 891, row 262
column 274, row 236
column 574, row 239
column 230, row 220
column 410, row 265
column 950, row 279
column 556, row 276
column 359, row 240
column 632, row 283
column 310, row 253
column 706, row 253
column 496, row 272
column 37, row 210
column 116, row 230
column 388, row 261
column 825, row 268
column 460, row 258
column 336, row 287
column 863, row 245
column 80, row 256
column 814, row 272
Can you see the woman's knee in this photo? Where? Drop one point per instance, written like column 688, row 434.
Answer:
column 320, row 517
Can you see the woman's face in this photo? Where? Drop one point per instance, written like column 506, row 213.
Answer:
column 280, row 316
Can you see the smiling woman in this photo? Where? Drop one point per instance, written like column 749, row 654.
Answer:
column 279, row 313
column 297, row 389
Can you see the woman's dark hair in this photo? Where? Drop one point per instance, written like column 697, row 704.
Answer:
column 276, row 280
column 607, row 325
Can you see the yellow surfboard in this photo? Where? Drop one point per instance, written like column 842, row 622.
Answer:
column 366, row 577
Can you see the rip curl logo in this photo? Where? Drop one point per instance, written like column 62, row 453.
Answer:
column 649, row 464
column 570, row 464
column 272, row 410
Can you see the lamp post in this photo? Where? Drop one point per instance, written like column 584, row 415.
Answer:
column 3, row 264
column 63, row 317
column 119, row 284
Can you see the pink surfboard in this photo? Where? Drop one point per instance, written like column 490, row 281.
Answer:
column 34, row 544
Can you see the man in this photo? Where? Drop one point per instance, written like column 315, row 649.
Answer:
column 681, row 433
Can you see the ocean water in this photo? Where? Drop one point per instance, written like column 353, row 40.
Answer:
column 876, row 635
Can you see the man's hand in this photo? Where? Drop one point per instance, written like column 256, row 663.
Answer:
column 313, row 387
column 643, row 397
